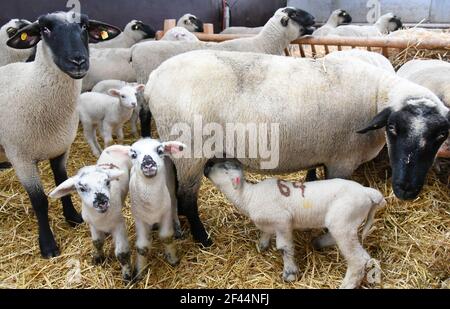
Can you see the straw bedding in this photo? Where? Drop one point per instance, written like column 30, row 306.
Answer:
column 411, row 240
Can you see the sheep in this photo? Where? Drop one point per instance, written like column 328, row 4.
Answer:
column 179, row 34
column 278, row 207
column 191, row 23
column 337, row 18
column 106, row 85
column 286, row 25
column 385, row 24
column 109, row 63
column 435, row 75
column 109, row 111
column 7, row 54
column 103, row 188
column 242, row 30
column 372, row 58
column 134, row 32
column 323, row 109
column 153, row 175
column 38, row 102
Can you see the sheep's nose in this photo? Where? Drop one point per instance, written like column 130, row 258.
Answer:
column 133, row 104
column 78, row 60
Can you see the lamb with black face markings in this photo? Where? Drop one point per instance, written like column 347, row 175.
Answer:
column 319, row 106
column 39, row 120
column 153, row 197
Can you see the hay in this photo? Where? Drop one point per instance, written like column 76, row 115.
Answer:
column 411, row 240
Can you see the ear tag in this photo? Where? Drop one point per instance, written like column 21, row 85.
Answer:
column 104, row 35
column 24, row 36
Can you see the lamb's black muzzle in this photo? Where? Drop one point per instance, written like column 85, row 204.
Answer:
column 101, row 202
column 149, row 167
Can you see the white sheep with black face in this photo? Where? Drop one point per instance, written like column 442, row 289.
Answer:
column 337, row 18
column 386, row 24
column 153, row 196
column 102, row 189
column 190, row 22
column 109, row 112
column 134, row 32
column 8, row 54
column 278, row 207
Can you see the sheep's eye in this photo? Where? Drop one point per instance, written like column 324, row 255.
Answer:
column 122, row 96
column 83, row 27
column 133, row 154
column 83, row 189
column 108, row 183
column 442, row 135
column 391, row 129
column 186, row 22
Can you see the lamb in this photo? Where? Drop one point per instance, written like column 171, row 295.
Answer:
column 109, row 63
column 435, row 75
column 372, row 58
column 191, row 23
column 268, row 90
column 7, row 54
column 110, row 112
column 337, row 18
column 134, row 32
column 106, row 85
column 153, row 175
column 278, row 207
column 385, row 24
column 179, row 34
column 103, row 188
column 38, row 101
column 285, row 26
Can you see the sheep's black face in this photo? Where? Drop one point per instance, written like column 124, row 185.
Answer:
column 140, row 26
column 304, row 19
column 344, row 17
column 395, row 23
column 414, row 135
column 198, row 24
column 19, row 24
column 67, row 37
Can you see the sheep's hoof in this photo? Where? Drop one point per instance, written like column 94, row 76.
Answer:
column 172, row 260
column 289, row 276
column 206, row 242
column 98, row 259
column 127, row 277
column 48, row 249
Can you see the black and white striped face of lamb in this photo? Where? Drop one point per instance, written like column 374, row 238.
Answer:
column 414, row 135
column 302, row 18
column 66, row 38
column 147, row 155
column 344, row 17
column 395, row 23
column 93, row 185
column 15, row 25
column 148, row 31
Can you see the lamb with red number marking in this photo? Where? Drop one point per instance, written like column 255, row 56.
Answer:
column 278, row 207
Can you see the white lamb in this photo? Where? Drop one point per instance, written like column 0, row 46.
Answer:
column 179, row 34
column 103, row 189
column 8, row 54
column 278, row 207
column 134, row 32
column 337, row 18
column 153, row 196
column 110, row 112
column 385, row 24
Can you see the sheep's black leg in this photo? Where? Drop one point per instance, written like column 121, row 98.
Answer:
column 311, row 175
column 28, row 174
column 5, row 165
column 58, row 166
column 145, row 117
column 187, row 199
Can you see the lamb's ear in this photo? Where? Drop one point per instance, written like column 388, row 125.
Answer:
column 26, row 37
column 118, row 149
column 140, row 88
column 285, row 21
column 63, row 189
column 114, row 92
column 378, row 122
column 101, row 32
column 172, row 147
column 114, row 173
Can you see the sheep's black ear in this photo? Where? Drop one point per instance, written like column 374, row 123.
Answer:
column 26, row 37
column 378, row 122
column 100, row 32
column 285, row 21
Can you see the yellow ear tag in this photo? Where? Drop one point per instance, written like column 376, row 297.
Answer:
column 24, row 36
column 104, row 35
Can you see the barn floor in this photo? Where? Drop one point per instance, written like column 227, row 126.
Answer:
column 411, row 241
